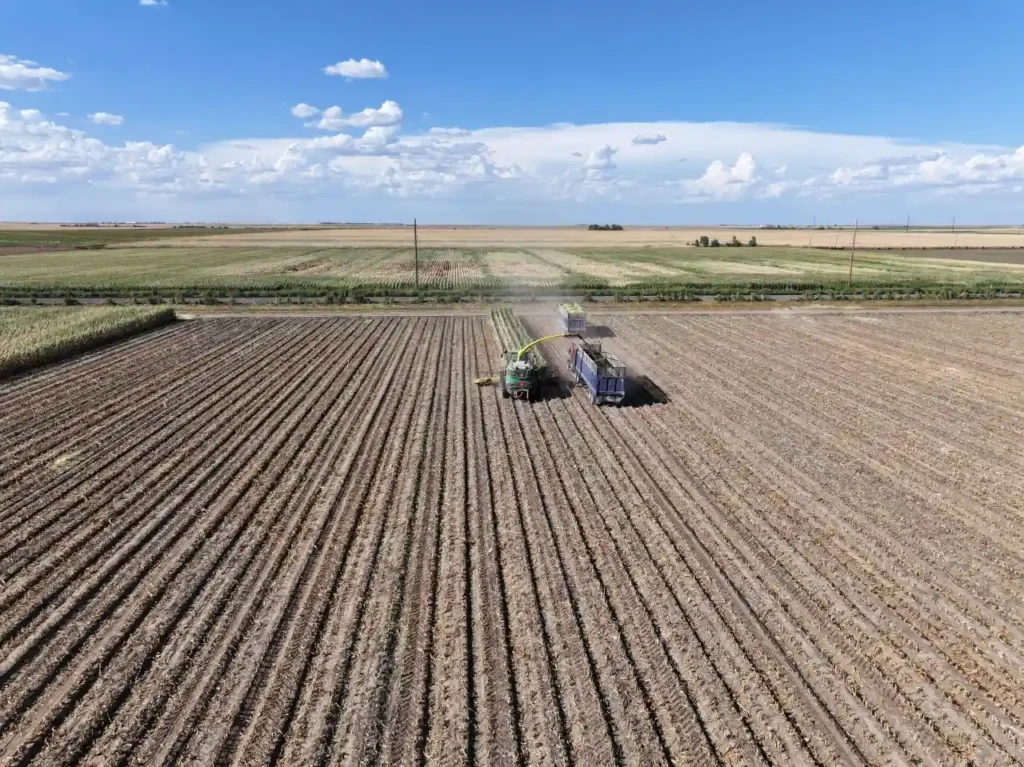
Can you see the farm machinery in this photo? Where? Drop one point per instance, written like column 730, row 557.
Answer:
column 522, row 375
column 524, row 369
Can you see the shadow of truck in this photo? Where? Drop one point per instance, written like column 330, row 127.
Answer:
column 641, row 391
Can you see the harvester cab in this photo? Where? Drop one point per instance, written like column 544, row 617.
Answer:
column 521, row 377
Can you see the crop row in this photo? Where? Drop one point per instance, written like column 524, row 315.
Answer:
column 314, row 541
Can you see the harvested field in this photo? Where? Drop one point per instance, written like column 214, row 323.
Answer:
column 313, row 541
column 500, row 237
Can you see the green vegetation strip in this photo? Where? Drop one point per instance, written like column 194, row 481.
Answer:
column 513, row 335
column 33, row 336
column 355, row 274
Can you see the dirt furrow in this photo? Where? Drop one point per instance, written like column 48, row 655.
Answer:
column 396, row 643
column 849, row 683
column 635, row 664
column 983, row 599
column 929, row 706
column 200, row 638
column 541, row 721
column 766, row 717
column 379, row 557
column 42, row 421
column 88, row 374
column 904, row 405
column 496, row 713
column 105, row 519
column 96, row 436
column 72, row 502
column 272, row 693
column 597, row 724
column 881, row 659
column 697, row 702
column 218, row 527
column 446, row 726
column 986, row 519
column 977, row 577
column 242, row 643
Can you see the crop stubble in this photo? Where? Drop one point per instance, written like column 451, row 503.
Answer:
column 316, row 541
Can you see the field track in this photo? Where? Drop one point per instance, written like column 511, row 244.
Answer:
column 315, row 541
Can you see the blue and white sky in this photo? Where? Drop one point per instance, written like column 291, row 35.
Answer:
column 525, row 113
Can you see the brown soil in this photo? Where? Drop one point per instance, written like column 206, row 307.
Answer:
column 313, row 540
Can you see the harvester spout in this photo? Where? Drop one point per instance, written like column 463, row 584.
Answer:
column 530, row 345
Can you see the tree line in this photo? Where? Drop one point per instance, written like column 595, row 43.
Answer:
column 704, row 242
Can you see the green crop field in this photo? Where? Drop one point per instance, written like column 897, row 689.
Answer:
column 31, row 336
column 388, row 271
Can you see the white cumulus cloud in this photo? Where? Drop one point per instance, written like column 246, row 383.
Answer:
column 105, row 118
column 31, row 146
column 721, row 181
column 304, row 111
column 363, row 69
column 537, row 174
column 153, row 2
column 649, row 138
column 601, row 158
column 25, row 75
column 389, row 113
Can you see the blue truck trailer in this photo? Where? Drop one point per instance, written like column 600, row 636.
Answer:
column 573, row 319
column 603, row 374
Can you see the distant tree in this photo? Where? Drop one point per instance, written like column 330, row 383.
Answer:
column 697, row 242
column 715, row 243
column 704, row 240
column 753, row 242
column 735, row 242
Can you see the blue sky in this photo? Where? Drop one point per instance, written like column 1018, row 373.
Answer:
column 745, row 112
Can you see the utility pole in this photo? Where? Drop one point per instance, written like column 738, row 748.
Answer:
column 416, row 251
column 954, row 224
column 908, row 223
column 853, row 251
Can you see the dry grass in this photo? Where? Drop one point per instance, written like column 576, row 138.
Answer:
column 579, row 237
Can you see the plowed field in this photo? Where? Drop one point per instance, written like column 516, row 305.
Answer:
column 314, row 541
